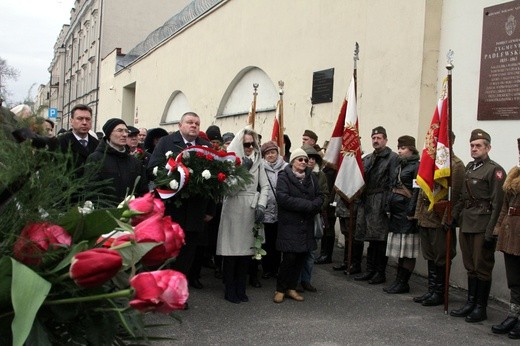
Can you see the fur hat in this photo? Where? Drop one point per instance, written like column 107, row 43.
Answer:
column 311, row 134
column 312, row 152
column 297, row 153
column 379, row 130
column 479, row 134
column 111, row 124
column 213, row 133
column 270, row 145
column 406, row 141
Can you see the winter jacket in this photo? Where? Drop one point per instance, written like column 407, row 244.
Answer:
column 508, row 225
column 121, row 168
column 298, row 202
column 272, row 170
column 402, row 207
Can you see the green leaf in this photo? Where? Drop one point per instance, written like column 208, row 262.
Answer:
column 82, row 246
column 99, row 222
column 70, row 220
column 132, row 254
column 5, row 282
column 262, row 252
column 28, row 291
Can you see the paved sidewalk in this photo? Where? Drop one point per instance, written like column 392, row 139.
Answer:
column 342, row 312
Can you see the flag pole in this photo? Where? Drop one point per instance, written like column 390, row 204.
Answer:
column 351, row 203
column 449, row 67
column 252, row 115
column 280, row 120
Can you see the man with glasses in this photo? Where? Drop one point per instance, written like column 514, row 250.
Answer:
column 193, row 212
column 116, row 165
column 78, row 140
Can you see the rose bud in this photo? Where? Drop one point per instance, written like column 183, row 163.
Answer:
column 148, row 205
column 159, row 230
column 36, row 238
column 159, row 291
column 221, row 177
column 94, row 267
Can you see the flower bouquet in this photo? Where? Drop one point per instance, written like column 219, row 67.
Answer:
column 199, row 170
column 66, row 278
column 71, row 275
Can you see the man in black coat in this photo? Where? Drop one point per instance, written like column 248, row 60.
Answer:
column 194, row 211
column 80, row 142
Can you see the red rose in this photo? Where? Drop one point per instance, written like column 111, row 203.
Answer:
column 209, row 157
column 36, row 238
column 159, row 291
column 221, row 177
column 94, row 267
column 159, row 230
column 199, row 154
column 148, row 205
column 237, row 161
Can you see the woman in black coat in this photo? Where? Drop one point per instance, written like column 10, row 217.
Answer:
column 299, row 199
column 403, row 239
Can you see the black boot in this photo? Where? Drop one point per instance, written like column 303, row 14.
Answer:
column 467, row 308
column 402, row 283
column 515, row 332
column 431, row 283
column 396, row 281
column 437, row 297
column 241, row 291
column 381, row 261
column 357, row 257
column 509, row 323
column 371, row 265
column 324, row 257
column 479, row 312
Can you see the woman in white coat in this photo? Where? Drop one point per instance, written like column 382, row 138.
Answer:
column 239, row 213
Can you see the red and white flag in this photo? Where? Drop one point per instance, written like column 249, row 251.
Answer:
column 344, row 149
column 434, row 168
column 277, row 134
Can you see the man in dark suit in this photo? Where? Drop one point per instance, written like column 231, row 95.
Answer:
column 80, row 142
column 194, row 211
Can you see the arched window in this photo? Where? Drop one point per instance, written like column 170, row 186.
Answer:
column 176, row 106
column 239, row 94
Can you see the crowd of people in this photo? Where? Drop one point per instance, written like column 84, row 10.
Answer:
column 290, row 194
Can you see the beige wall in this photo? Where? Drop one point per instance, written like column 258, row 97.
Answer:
column 403, row 45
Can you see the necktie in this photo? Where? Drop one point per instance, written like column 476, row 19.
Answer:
column 83, row 142
column 189, row 144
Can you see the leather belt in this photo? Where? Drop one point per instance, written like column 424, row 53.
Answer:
column 513, row 211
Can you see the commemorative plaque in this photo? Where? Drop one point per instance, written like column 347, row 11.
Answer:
column 499, row 91
column 322, row 86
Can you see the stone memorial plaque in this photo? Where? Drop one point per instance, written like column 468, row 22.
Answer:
column 322, row 86
column 499, row 91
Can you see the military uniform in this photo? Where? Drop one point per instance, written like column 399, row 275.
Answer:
column 477, row 213
column 433, row 237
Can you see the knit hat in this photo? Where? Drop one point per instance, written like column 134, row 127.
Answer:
column 311, row 134
column 297, row 153
column 270, row 145
column 379, row 130
column 213, row 133
column 111, row 124
column 228, row 137
column 134, row 131
column 479, row 134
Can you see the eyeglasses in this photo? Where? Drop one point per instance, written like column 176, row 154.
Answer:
column 302, row 159
column 248, row 144
column 127, row 131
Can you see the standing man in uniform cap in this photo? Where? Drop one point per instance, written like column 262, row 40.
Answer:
column 372, row 219
column 309, row 137
column 476, row 214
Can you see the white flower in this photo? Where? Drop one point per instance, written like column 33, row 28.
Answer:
column 190, row 170
column 206, row 174
column 168, row 154
column 174, row 184
column 231, row 181
column 88, row 207
column 186, row 155
column 155, row 170
column 258, row 256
